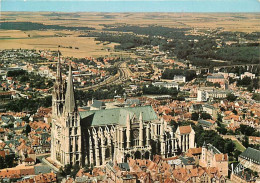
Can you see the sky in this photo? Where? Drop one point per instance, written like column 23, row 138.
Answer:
column 131, row 5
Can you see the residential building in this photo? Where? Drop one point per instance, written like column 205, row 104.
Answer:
column 212, row 157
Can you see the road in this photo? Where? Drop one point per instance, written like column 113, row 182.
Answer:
column 123, row 73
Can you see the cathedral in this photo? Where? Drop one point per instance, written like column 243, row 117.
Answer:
column 94, row 137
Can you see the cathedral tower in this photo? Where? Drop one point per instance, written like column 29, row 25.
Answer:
column 66, row 131
column 72, row 129
column 58, row 92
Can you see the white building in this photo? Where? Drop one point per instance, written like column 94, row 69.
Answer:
column 247, row 74
column 166, row 84
column 179, row 78
column 202, row 96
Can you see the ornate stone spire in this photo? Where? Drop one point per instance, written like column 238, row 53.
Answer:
column 128, row 128
column 70, row 103
column 141, row 128
column 59, row 76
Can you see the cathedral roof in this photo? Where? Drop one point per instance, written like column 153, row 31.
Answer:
column 251, row 154
column 116, row 115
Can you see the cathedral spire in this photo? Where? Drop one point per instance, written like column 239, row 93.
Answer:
column 70, row 103
column 59, row 77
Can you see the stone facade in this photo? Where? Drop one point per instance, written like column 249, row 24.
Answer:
column 212, row 157
column 97, row 136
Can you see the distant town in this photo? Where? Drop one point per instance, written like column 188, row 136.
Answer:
column 169, row 105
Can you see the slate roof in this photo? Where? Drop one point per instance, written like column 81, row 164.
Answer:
column 205, row 123
column 216, row 76
column 42, row 169
column 187, row 160
column 133, row 101
column 124, row 166
column 7, row 118
column 209, row 106
column 197, row 107
column 210, row 147
column 116, row 115
column 98, row 104
column 252, row 154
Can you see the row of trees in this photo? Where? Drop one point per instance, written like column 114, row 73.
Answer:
column 107, row 92
column 195, row 116
column 25, row 26
column 22, row 104
column 154, row 90
column 249, row 83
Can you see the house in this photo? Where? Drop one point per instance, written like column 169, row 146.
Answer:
column 210, row 109
column 196, row 108
column 207, row 124
column 216, row 78
column 212, row 157
column 29, row 162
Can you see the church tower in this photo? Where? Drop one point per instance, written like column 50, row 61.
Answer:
column 72, row 129
column 58, row 92
column 66, row 131
column 58, row 100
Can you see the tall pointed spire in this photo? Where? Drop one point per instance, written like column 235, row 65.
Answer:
column 59, row 77
column 70, row 103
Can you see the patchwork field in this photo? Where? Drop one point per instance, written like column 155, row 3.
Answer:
column 39, row 39
column 70, row 45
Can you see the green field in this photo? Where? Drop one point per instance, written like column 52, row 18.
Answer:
column 239, row 146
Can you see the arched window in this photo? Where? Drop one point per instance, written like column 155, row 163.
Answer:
column 107, row 153
column 138, row 155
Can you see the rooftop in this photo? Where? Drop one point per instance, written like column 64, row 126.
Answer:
column 251, row 154
column 117, row 115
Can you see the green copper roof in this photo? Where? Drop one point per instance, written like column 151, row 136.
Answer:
column 116, row 115
column 251, row 154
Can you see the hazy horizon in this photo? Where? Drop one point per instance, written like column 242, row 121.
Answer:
column 186, row 6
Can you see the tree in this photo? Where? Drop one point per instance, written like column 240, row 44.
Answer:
column 205, row 115
column 235, row 112
column 256, row 96
column 9, row 160
column 236, row 153
column 88, row 168
column 231, row 97
column 219, row 118
column 2, row 163
column 66, row 170
column 250, row 88
column 247, row 130
column 194, row 116
column 222, row 130
column 28, row 129
column 75, row 170
column 229, row 146
column 245, row 142
column 26, row 119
